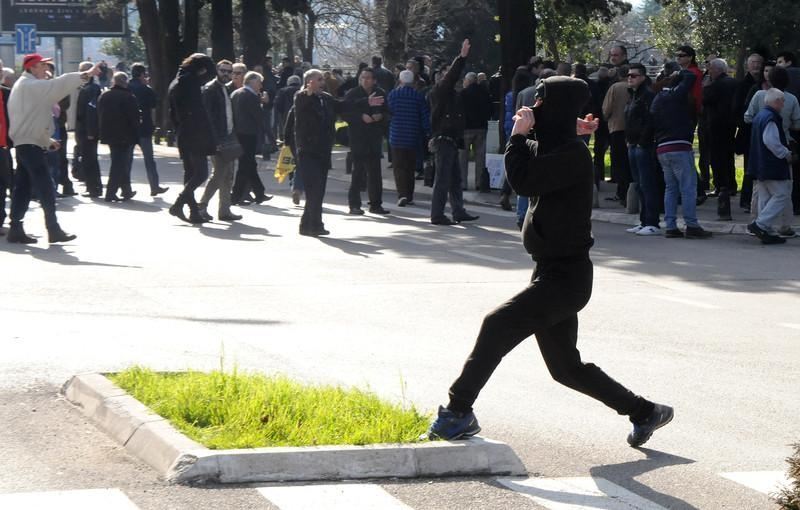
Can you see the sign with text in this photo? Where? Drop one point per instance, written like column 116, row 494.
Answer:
column 61, row 17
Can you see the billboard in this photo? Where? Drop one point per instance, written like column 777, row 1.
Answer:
column 61, row 17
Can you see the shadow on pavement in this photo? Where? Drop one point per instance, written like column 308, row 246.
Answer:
column 57, row 254
column 234, row 231
column 364, row 250
column 625, row 474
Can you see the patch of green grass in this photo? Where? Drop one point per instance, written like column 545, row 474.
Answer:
column 233, row 410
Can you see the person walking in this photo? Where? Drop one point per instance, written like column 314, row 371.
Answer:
column 147, row 99
column 195, row 137
column 30, row 112
column 220, row 110
column 447, row 128
column 477, row 112
column 87, row 133
column 770, row 164
column 556, row 171
column 409, row 127
column 118, row 113
column 366, row 126
column 248, row 124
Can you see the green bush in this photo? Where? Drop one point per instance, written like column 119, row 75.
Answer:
column 231, row 410
column 789, row 498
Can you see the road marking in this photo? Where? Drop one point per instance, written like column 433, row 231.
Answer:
column 578, row 494
column 91, row 499
column 765, row 482
column 332, row 497
column 690, row 302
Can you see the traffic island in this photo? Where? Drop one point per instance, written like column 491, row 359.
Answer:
column 179, row 459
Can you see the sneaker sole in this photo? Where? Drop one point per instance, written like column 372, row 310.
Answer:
column 463, row 435
column 648, row 436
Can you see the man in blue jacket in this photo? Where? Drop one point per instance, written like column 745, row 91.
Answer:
column 769, row 164
column 674, row 132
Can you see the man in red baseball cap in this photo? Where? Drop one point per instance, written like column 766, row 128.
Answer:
column 31, row 127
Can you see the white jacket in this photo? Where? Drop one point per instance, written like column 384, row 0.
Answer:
column 30, row 107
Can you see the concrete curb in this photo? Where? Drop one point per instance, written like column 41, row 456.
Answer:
column 178, row 459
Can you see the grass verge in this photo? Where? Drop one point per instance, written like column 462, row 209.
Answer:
column 789, row 498
column 232, row 410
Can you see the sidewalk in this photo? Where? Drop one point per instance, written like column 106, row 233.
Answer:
column 610, row 212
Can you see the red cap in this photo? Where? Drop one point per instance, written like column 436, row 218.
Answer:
column 32, row 59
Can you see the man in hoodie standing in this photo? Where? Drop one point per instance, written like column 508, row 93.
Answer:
column 556, row 172
column 31, row 127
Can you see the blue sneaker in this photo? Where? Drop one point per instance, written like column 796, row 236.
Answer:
column 660, row 416
column 449, row 426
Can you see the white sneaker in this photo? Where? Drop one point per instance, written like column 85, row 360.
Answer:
column 634, row 230
column 649, row 231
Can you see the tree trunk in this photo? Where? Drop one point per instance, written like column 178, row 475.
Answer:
column 299, row 30
column 191, row 27
column 255, row 42
column 517, row 42
column 396, row 35
column 222, row 30
column 311, row 27
column 160, row 75
column 379, row 23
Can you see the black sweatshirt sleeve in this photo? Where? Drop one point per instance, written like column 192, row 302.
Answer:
column 531, row 174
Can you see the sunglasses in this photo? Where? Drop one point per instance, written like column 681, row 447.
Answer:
column 634, row 75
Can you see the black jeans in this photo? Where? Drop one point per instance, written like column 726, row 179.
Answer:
column 620, row 165
column 366, row 167
column 247, row 178
column 90, row 166
column 118, row 176
column 447, row 182
column 600, row 148
column 547, row 308
column 313, row 169
column 195, row 168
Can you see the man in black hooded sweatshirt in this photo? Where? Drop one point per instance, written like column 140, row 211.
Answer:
column 556, row 171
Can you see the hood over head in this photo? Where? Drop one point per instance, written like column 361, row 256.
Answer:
column 563, row 99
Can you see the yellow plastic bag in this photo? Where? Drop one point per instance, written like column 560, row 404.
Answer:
column 285, row 165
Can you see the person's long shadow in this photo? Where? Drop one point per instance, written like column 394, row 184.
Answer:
column 351, row 248
column 625, row 474
column 235, row 231
column 57, row 254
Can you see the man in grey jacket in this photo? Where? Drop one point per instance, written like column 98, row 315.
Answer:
column 30, row 114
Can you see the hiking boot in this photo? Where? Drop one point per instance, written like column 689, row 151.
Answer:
column 673, row 233
column 450, row 426
column 444, row 220
column 660, row 416
column 59, row 236
column 697, row 233
column 356, row 211
column 379, row 210
column 465, row 217
column 16, row 234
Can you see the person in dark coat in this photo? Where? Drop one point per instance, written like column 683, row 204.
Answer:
column 284, row 101
column 195, row 137
column 148, row 100
column 477, row 111
column 718, row 111
column 249, row 128
column 447, row 136
column 315, row 114
column 87, row 133
column 556, row 172
column 118, row 113
column 741, row 100
column 366, row 126
column 286, row 72
column 384, row 77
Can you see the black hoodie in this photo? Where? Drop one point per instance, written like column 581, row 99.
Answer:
column 556, row 172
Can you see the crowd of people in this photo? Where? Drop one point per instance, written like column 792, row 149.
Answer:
column 433, row 118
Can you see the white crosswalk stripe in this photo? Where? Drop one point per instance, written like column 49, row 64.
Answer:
column 90, row 499
column 765, row 482
column 582, row 493
column 332, row 497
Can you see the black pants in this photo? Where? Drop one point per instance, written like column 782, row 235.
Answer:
column 547, row 308
column 404, row 164
column 313, row 170
column 6, row 180
column 796, row 188
column 247, row 178
column 600, row 148
column 620, row 164
column 746, row 194
column 119, row 176
column 366, row 167
column 704, row 140
column 195, row 173
column 90, row 166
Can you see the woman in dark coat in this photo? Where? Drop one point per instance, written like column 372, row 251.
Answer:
column 193, row 128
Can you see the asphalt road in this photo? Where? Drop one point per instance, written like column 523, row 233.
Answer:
column 394, row 304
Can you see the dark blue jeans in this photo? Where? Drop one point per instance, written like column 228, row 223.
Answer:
column 447, row 182
column 146, row 145
column 33, row 173
column 643, row 171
